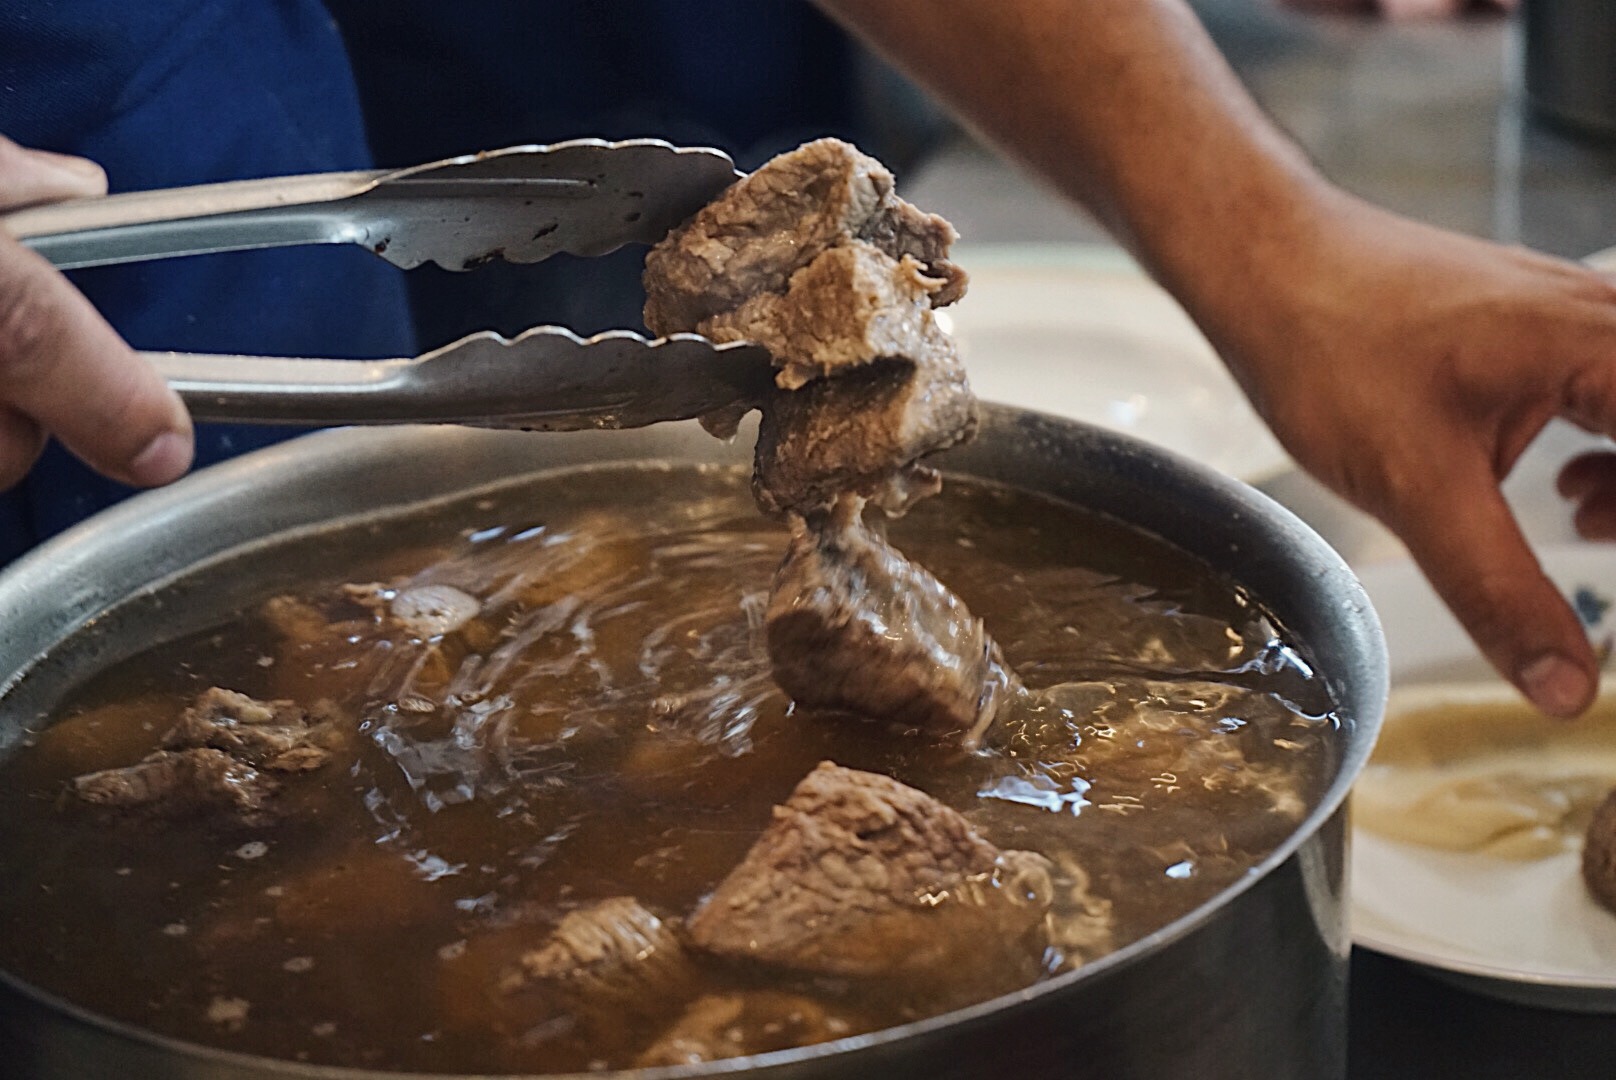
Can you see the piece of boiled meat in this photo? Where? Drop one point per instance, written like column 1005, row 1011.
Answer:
column 860, row 875
column 854, row 626
column 772, row 223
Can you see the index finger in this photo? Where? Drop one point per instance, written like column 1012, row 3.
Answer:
column 63, row 366
column 1466, row 540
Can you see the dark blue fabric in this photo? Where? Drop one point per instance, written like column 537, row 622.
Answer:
column 439, row 79
column 173, row 92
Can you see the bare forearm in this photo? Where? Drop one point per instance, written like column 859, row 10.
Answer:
column 1125, row 105
column 1405, row 366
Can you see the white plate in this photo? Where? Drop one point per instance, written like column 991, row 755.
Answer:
column 1081, row 331
column 1523, row 931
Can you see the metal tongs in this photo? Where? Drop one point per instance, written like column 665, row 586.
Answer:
column 585, row 197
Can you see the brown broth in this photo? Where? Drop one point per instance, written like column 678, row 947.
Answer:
column 608, row 727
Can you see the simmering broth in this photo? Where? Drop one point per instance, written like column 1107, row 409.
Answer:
column 607, row 726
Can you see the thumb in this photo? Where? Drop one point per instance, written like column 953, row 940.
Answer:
column 36, row 176
column 1464, row 537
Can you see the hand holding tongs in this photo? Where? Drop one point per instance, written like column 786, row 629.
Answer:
column 585, row 197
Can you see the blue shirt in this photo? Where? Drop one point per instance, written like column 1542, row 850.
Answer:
column 172, row 92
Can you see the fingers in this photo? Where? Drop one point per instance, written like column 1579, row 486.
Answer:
column 66, row 370
column 1590, row 481
column 62, row 368
column 1586, row 473
column 1461, row 532
column 35, row 176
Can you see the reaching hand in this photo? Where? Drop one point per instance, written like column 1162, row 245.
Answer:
column 1408, row 368
column 63, row 370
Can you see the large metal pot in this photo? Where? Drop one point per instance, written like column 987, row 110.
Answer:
column 1251, row 985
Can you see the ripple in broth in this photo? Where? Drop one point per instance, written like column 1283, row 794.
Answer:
column 606, row 726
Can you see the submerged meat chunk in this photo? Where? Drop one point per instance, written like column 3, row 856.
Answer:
column 614, row 950
column 859, row 875
column 275, row 735
column 861, row 433
column 902, row 228
column 175, row 784
column 850, row 306
column 853, row 625
column 776, row 221
column 1599, row 854
column 215, row 758
column 720, row 1026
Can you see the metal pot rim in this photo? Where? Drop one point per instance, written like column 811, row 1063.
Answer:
column 386, row 443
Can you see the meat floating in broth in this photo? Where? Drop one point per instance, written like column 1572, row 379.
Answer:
column 602, row 740
column 861, row 876
column 853, row 625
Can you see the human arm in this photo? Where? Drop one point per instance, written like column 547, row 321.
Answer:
column 63, row 370
column 1405, row 366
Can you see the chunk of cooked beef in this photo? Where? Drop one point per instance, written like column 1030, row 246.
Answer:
column 771, row 224
column 717, row 1026
column 179, row 783
column 1599, row 854
column 612, row 951
column 853, row 625
column 854, row 434
column 214, row 758
column 331, row 894
column 902, row 228
column 276, row 735
column 852, row 305
column 859, row 875
column 815, row 257
column 298, row 623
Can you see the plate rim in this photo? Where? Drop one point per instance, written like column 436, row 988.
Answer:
column 1481, row 972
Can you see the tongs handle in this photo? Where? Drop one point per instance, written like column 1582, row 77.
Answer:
column 522, row 204
column 547, row 379
column 140, row 225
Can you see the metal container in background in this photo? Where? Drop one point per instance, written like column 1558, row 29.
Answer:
column 1571, row 62
column 1252, row 985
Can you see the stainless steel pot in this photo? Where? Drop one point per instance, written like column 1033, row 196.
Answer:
column 1251, row 985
